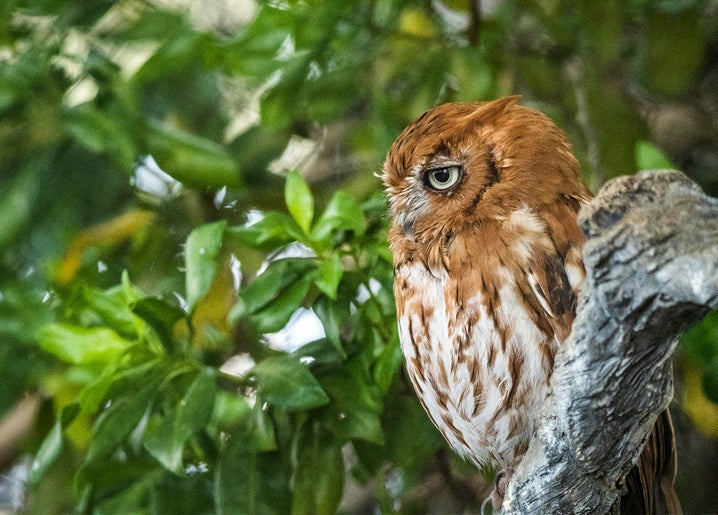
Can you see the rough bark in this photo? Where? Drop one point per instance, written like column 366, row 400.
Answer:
column 651, row 262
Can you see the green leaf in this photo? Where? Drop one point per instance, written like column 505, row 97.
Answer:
column 318, row 472
column 116, row 422
column 192, row 494
column 268, row 285
column 165, row 439
column 229, row 409
column 330, row 273
column 160, row 315
column 230, row 497
column 275, row 315
column 111, row 307
column 256, row 48
column 355, row 403
column 255, row 430
column 102, row 131
column 650, row 157
column 288, row 384
column 175, row 55
column 195, row 409
column 272, row 231
column 280, row 104
column 333, row 314
column 342, row 213
column 410, row 437
column 259, row 431
column 250, row 482
column 299, row 199
column 249, row 479
column 117, row 482
column 190, row 159
column 387, row 365
column 275, row 295
column 80, row 345
column 201, row 257
column 132, row 292
column 260, row 147
column 52, row 445
column 319, row 352
column 48, row 452
column 132, row 497
column 149, row 370
column 92, row 395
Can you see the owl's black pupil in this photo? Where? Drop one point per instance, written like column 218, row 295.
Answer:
column 442, row 175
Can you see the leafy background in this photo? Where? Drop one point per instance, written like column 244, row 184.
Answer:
column 196, row 311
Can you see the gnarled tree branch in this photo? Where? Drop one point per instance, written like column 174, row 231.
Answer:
column 652, row 271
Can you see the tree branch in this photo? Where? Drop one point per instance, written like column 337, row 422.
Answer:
column 651, row 262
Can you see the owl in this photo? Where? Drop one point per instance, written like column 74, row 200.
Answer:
column 487, row 266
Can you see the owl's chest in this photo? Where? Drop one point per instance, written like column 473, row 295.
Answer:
column 474, row 356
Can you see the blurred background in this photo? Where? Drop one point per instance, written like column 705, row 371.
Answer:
column 131, row 130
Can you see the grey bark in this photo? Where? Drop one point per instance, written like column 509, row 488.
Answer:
column 651, row 260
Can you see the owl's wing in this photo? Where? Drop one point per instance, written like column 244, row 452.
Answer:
column 555, row 275
column 550, row 285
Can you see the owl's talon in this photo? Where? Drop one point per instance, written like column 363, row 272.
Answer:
column 500, row 481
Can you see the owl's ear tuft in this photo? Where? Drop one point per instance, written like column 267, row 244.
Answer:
column 492, row 110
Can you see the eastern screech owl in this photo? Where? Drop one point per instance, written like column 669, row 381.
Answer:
column 487, row 263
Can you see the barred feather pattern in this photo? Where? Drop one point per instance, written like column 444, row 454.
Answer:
column 476, row 350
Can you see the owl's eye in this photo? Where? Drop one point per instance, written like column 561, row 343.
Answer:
column 442, row 178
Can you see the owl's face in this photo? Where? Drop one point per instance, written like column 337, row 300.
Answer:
column 465, row 163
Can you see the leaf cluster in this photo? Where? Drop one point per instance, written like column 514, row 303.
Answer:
column 271, row 436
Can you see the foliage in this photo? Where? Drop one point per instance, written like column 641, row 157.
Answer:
column 152, row 268
column 268, row 438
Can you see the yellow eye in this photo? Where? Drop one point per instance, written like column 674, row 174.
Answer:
column 442, row 178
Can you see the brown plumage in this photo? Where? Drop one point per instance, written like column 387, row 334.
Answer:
column 487, row 261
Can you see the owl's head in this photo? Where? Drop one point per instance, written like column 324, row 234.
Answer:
column 465, row 163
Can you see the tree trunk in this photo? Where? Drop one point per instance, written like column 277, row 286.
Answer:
column 651, row 260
